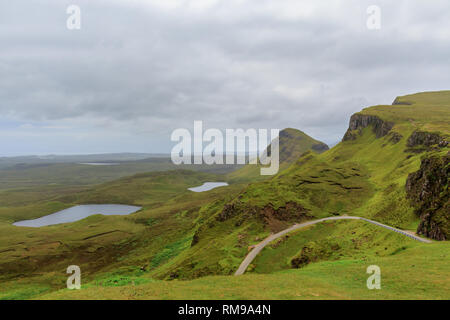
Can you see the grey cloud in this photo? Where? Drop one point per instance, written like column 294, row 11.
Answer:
column 258, row 64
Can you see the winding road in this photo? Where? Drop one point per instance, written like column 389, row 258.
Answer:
column 257, row 249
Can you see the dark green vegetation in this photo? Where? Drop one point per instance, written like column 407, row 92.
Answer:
column 390, row 157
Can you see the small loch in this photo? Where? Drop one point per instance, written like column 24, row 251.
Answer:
column 99, row 163
column 208, row 186
column 78, row 213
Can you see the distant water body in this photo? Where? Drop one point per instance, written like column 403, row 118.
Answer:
column 77, row 213
column 208, row 186
column 99, row 164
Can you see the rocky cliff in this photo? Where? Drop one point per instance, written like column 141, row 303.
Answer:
column 360, row 121
column 427, row 139
column 428, row 191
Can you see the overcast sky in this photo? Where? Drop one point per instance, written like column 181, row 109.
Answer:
column 137, row 70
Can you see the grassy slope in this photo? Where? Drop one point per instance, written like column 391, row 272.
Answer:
column 416, row 273
column 330, row 241
column 364, row 177
column 127, row 244
column 292, row 144
column 159, row 233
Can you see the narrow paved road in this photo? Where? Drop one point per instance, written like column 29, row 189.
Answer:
column 252, row 255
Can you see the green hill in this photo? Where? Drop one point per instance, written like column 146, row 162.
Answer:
column 416, row 273
column 392, row 166
column 292, row 144
column 364, row 175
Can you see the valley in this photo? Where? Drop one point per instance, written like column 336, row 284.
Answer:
column 391, row 168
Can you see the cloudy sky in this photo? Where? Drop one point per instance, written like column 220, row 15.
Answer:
column 137, row 70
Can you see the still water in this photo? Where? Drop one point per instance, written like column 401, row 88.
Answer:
column 77, row 213
column 208, row 186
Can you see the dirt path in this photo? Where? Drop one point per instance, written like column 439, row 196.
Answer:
column 252, row 255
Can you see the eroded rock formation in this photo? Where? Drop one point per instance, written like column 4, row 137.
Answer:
column 360, row 121
column 428, row 191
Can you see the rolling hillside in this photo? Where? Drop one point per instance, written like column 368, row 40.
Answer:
column 392, row 166
column 365, row 175
column 292, row 144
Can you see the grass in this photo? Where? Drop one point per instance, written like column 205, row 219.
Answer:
column 292, row 144
column 330, row 241
column 101, row 244
column 365, row 177
column 63, row 175
column 414, row 273
column 197, row 240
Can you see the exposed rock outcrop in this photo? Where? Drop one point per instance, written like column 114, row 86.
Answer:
column 274, row 218
column 314, row 251
column 427, row 139
column 394, row 137
column 360, row 121
column 397, row 102
column 229, row 211
column 320, row 147
column 428, row 191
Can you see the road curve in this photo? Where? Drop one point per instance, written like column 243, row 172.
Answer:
column 252, row 255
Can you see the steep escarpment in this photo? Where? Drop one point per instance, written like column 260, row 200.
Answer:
column 360, row 121
column 428, row 191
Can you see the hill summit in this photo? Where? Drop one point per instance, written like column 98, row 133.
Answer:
column 293, row 143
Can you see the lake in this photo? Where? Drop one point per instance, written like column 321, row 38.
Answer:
column 208, row 186
column 77, row 213
column 99, row 163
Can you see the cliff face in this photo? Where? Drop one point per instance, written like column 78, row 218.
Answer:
column 427, row 139
column 428, row 191
column 361, row 121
